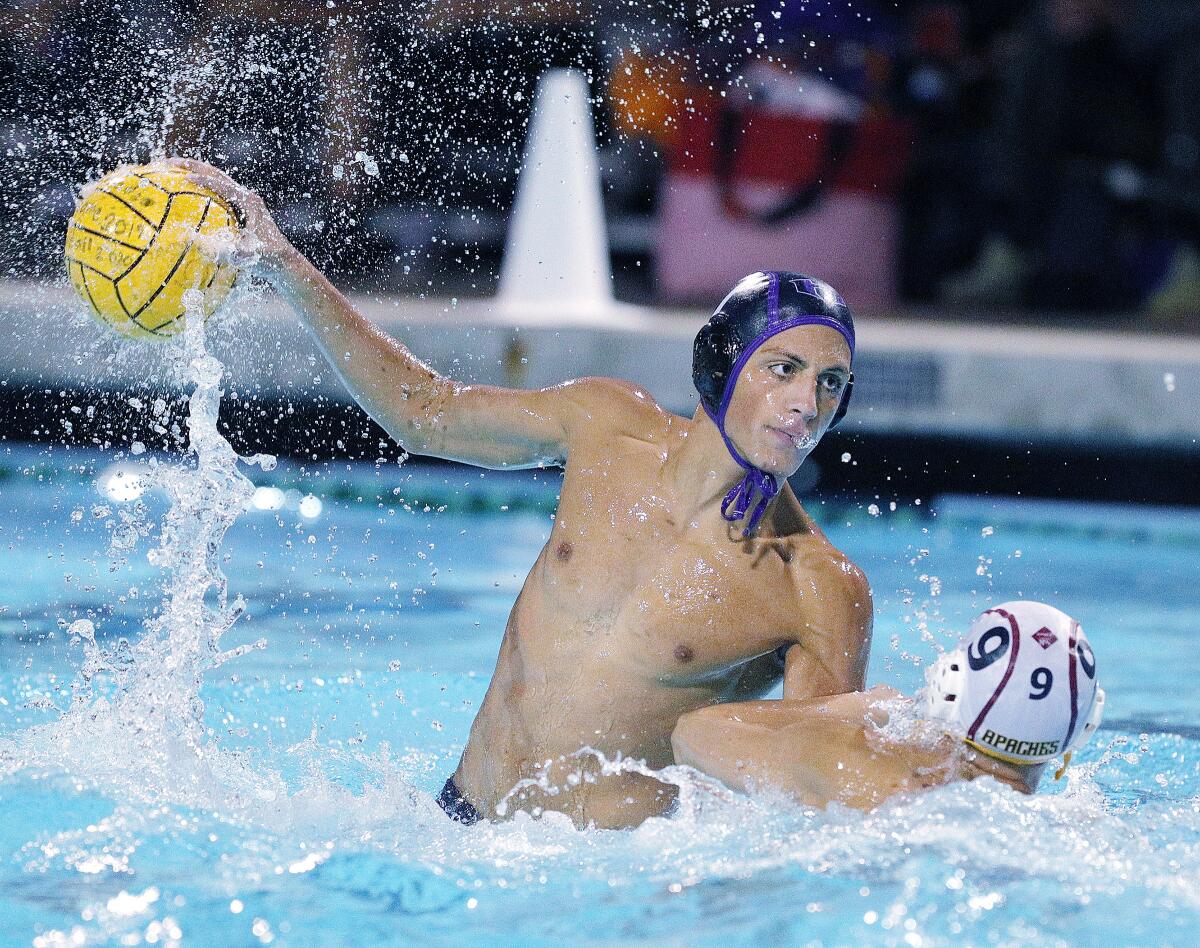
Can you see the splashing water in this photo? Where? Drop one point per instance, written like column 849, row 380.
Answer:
column 151, row 808
column 141, row 702
column 128, row 820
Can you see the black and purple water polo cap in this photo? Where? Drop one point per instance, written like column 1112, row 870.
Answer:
column 762, row 305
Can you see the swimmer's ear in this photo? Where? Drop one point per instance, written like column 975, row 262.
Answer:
column 715, row 350
column 1058, row 774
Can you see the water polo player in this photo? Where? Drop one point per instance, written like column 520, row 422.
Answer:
column 1018, row 692
column 680, row 567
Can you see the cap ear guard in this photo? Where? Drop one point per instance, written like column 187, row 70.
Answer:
column 712, row 357
column 1093, row 722
column 944, row 687
column 1089, row 728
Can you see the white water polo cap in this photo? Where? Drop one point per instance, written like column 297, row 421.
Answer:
column 1021, row 686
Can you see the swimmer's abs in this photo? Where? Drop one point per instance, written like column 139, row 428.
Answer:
column 576, row 786
column 527, row 753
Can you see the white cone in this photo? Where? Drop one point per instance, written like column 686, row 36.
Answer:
column 556, row 266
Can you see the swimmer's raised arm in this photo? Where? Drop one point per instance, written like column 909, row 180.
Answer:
column 424, row 411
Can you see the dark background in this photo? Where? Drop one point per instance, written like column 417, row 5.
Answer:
column 1051, row 167
column 1048, row 175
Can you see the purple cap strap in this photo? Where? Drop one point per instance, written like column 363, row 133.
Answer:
column 737, row 501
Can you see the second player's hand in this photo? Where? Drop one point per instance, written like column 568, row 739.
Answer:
column 261, row 242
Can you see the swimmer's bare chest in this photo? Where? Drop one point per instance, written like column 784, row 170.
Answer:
column 633, row 611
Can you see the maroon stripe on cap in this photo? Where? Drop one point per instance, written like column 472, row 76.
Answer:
column 1012, row 663
column 1071, row 677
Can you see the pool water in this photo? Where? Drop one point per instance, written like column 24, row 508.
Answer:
column 289, row 800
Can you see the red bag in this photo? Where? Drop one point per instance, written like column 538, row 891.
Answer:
column 798, row 177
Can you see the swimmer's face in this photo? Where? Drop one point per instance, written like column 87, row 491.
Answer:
column 787, row 395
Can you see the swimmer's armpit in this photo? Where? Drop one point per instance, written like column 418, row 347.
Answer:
column 761, row 674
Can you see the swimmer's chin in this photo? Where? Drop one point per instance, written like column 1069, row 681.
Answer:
column 787, row 452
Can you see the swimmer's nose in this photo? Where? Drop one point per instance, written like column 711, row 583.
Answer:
column 804, row 402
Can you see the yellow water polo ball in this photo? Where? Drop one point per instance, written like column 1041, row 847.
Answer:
column 140, row 239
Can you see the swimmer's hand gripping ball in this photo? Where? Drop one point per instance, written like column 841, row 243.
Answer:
column 140, row 240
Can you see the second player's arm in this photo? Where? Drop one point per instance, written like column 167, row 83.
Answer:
column 811, row 748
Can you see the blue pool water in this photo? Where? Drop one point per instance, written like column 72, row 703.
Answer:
column 289, row 801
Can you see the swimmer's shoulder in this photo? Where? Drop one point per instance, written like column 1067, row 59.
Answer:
column 604, row 406
column 818, row 558
column 834, row 608
column 847, row 589
column 842, row 571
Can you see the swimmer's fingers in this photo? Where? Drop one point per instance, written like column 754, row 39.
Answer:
column 212, row 178
column 190, row 164
column 210, row 173
column 259, row 229
column 242, row 253
column 249, row 203
column 217, row 181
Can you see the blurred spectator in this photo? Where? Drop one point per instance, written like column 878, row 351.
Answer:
column 652, row 82
column 1168, row 32
column 1074, row 102
column 943, row 86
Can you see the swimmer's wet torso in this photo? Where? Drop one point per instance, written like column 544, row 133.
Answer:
column 648, row 600
column 640, row 608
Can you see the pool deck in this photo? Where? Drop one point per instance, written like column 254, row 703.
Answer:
column 1005, row 383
